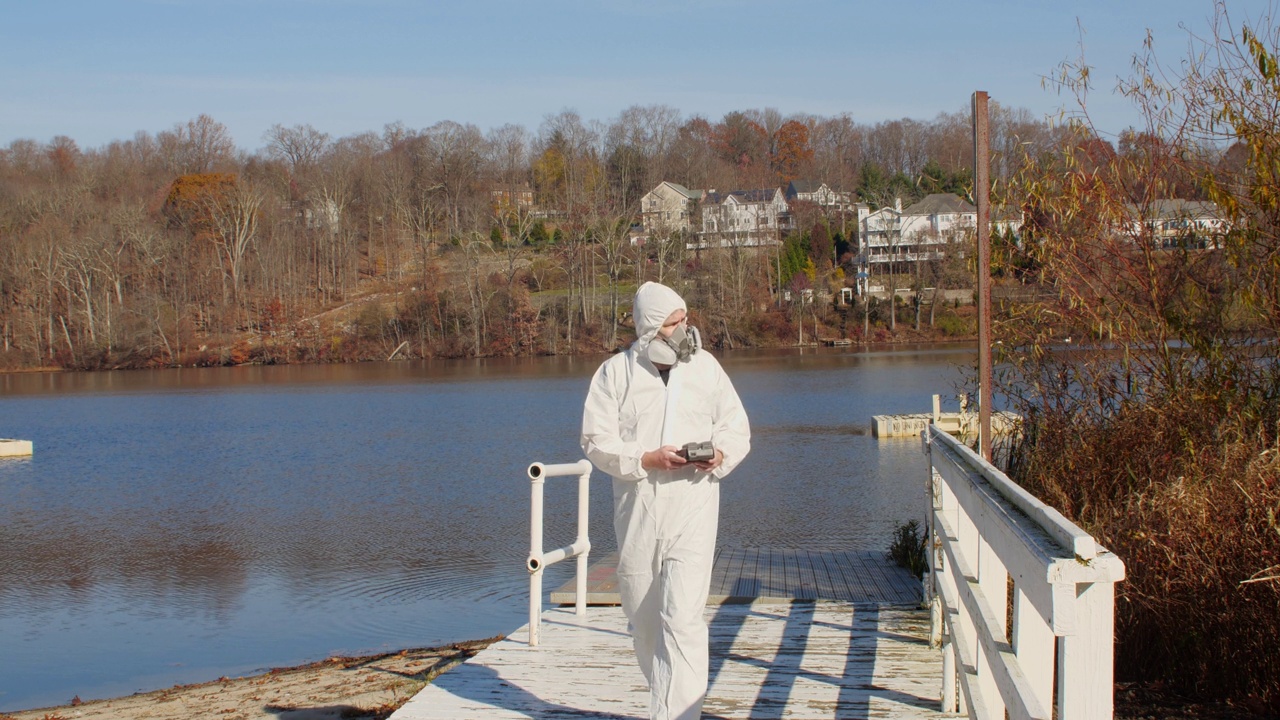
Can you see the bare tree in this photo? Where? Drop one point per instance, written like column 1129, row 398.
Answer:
column 301, row 146
column 201, row 145
column 234, row 219
column 455, row 155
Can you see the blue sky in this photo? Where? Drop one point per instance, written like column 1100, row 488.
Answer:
column 101, row 70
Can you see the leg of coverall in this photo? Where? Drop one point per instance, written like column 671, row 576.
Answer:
column 641, row 601
column 681, row 659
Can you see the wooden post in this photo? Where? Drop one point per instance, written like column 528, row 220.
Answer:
column 1086, row 657
column 949, row 693
column 982, row 198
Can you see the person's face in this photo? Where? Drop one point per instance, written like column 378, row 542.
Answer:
column 672, row 322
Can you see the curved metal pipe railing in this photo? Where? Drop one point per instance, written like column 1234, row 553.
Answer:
column 538, row 561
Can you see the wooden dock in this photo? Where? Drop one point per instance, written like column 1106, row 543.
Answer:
column 764, row 575
column 796, row 634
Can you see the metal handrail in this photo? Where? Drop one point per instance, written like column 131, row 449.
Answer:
column 580, row 549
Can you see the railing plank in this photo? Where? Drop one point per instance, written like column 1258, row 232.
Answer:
column 1064, row 532
column 1006, row 675
column 1025, row 555
column 963, row 647
column 1035, row 646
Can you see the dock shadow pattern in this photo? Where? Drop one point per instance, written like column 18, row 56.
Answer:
column 748, row 574
column 817, row 659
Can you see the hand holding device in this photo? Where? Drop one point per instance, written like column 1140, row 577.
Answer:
column 698, row 451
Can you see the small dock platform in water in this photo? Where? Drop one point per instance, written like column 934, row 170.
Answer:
column 794, row 633
column 15, row 448
column 960, row 424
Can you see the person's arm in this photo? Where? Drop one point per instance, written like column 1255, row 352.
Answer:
column 731, row 434
column 601, row 433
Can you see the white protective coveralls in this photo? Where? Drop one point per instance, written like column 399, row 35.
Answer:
column 665, row 520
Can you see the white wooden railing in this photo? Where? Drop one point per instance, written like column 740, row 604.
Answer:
column 580, row 549
column 1022, row 599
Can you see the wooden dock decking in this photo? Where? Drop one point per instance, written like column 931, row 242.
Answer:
column 764, row 575
column 768, row 660
column 786, row 641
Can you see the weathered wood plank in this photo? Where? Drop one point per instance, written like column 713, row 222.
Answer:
column 743, row 574
column 794, row 660
column 830, row 574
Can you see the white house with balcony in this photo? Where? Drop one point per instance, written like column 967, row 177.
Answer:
column 924, row 230
column 669, row 208
column 743, row 218
column 820, row 194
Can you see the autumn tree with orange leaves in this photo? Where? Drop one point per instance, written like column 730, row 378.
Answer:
column 792, row 156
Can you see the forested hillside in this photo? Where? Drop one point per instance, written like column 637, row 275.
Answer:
column 182, row 248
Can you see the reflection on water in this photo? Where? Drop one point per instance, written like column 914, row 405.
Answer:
column 179, row 525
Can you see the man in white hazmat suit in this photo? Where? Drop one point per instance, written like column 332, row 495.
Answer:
column 643, row 407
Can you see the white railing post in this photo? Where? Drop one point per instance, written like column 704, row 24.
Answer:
column 948, row 676
column 1086, row 658
column 534, row 563
column 583, row 538
column 538, row 560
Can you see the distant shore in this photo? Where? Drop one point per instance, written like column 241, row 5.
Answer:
column 905, row 338
column 353, row 688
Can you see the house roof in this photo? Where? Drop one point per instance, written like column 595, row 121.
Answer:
column 760, row 195
column 940, row 204
column 803, row 186
column 691, row 194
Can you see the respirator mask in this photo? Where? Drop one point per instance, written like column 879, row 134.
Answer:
column 682, row 344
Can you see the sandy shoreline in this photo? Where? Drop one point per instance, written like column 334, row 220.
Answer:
column 340, row 687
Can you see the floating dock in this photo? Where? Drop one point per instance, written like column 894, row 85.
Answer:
column 961, row 424
column 15, row 448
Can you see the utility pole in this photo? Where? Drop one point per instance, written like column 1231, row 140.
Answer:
column 982, row 197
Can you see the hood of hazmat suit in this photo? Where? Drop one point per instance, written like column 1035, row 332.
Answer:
column 665, row 520
column 653, row 305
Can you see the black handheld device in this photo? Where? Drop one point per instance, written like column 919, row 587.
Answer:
column 698, row 451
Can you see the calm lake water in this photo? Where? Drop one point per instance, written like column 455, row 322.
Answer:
column 180, row 525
